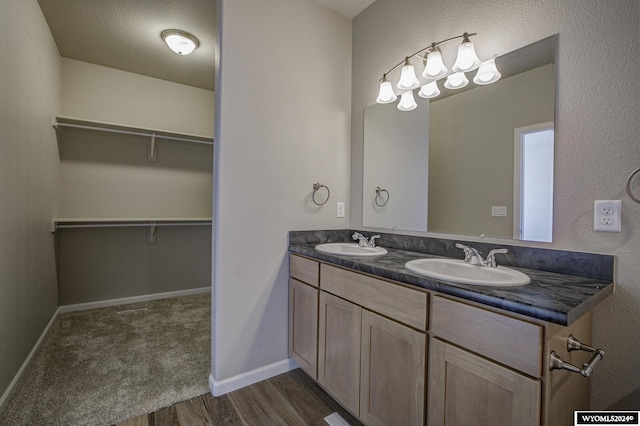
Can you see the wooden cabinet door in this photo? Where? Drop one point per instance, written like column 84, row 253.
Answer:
column 392, row 373
column 339, row 350
column 303, row 326
column 465, row 389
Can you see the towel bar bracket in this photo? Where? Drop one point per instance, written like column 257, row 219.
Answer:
column 573, row 344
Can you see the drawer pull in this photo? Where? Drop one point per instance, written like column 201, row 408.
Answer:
column 556, row 362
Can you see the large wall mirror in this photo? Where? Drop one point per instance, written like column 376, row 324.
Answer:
column 476, row 161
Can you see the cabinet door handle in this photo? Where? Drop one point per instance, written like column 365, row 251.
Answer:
column 573, row 344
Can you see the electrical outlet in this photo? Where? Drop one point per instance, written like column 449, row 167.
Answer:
column 607, row 215
column 340, row 209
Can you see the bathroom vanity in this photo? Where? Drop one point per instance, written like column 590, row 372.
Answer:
column 396, row 348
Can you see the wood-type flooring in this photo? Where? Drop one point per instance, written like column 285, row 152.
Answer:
column 292, row 398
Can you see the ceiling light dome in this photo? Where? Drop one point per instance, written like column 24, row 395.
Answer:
column 181, row 42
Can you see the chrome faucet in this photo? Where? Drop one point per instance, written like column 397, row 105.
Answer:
column 491, row 257
column 473, row 256
column 363, row 241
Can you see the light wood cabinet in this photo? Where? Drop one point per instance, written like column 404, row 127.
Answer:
column 339, row 350
column 466, row 389
column 373, row 365
column 485, row 366
column 500, row 360
column 400, row 303
column 509, row 341
column 392, row 373
column 305, row 270
column 303, row 325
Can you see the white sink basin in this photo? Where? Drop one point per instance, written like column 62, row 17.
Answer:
column 350, row 249
column 464, row 273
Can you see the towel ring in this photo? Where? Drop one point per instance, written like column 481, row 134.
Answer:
column 316, row 187
column 378, row 192
column 633, row 197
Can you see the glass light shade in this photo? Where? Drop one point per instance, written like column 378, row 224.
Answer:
column 467, row 59
column 435, row 67
column 407, row 102
column 429, row 90
column 487, row 73
column 456, row 81
column 408, row 79
column 386, row 94
column 180, row 42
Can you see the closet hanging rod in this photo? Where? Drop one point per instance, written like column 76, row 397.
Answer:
column 130, row 132
column 127, row 225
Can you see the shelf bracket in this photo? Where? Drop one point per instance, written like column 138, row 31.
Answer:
column 151, row 234
column 153, row 152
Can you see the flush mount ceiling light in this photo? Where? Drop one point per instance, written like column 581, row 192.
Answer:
column 181, row 42
column 434, row 70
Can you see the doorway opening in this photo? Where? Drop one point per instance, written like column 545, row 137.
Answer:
column 533, row 182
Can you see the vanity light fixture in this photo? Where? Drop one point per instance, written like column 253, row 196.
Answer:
column 429, row 90
column 456, row 81
column 408, row 79
column 434, row 70
column 386, row 94
column 435, row 66
column 181, row 42
column 467, row 60
column 487, row 73
column 407, row 102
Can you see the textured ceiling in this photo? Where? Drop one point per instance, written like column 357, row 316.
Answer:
column 348, row 8
column 125, row 34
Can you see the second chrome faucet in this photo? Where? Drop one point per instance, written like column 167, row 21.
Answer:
column 474, row 257
column 363, row 241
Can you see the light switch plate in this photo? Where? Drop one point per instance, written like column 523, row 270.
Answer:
column 607, row 215
column 499, row 211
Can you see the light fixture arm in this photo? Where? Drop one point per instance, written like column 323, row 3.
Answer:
column 429, row 48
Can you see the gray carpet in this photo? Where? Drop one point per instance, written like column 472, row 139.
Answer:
column 99, row 367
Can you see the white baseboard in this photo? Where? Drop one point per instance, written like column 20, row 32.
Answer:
column 128, row 300
column 221, row 387
column 14, row 383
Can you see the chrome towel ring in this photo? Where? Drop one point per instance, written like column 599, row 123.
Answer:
column 316, row 187
column 379, row 196
column 633, row 197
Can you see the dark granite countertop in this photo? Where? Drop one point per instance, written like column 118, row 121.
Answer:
column 550, row 296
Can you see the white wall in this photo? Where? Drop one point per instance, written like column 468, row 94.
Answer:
column 283, row 107
column 597, row 128
column 100, row 93
column 29, row 95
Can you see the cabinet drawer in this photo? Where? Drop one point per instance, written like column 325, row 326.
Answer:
column 509, row 341
column 305, row 270
column 394, row 301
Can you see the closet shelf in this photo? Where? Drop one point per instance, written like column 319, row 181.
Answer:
column 64, row 223
column 79, row 123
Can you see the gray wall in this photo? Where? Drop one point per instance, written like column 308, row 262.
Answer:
column 397, row 159
column 103, row 264
column 29, row 95
column 106, row 94
column 475, row 160
column 283, row 108
column 103, row 175
column 597, row 128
